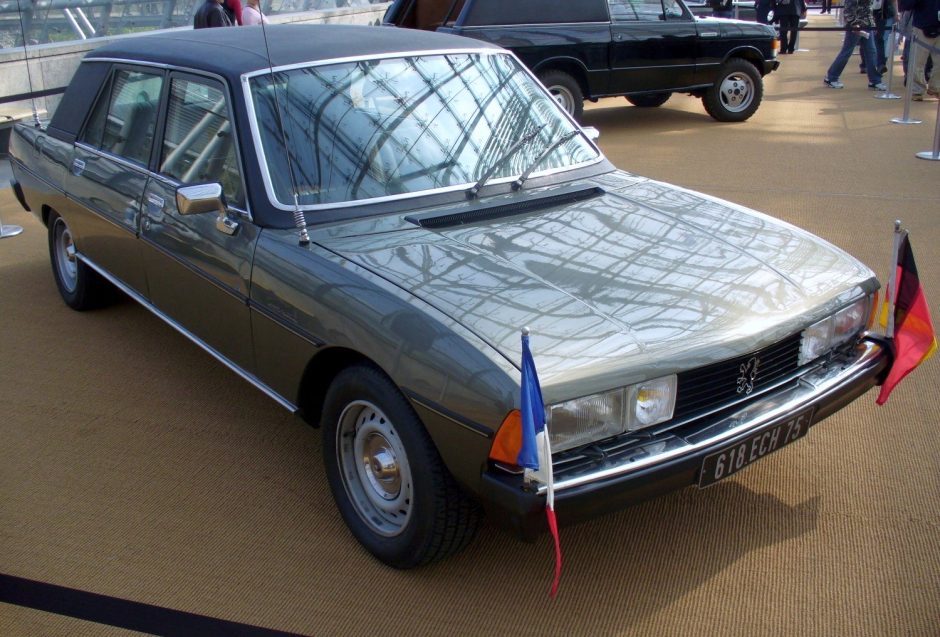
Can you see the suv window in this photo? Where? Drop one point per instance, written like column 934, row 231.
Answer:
column 124, row 117
column 198, row 144
column 489, row 12
column 644, row 10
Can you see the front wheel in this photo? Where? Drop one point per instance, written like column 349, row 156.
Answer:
column 566, row 91
column 736, row 93
column 388, row 481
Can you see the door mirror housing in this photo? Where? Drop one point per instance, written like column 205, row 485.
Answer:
column 201, row 198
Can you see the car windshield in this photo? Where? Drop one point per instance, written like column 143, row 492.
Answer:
column 391, row 127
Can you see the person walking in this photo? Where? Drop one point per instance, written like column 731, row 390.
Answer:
column 859, row 23
column 788, row 14
column 926, row 22
column 885, row 13
column 211, row 14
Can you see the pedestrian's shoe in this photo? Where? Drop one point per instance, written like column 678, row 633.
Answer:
column 878, row 86
column 933, row 94
column 883, row 69
column 917, row 97
column 833, row 83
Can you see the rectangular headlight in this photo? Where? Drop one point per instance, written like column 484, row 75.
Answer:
column 829, row 333
column 849, row 321
column 583, row 420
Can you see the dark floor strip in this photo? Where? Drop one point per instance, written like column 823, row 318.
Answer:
column 122, row 613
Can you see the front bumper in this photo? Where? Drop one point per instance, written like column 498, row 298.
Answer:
column 672, row 459
column 770, row 66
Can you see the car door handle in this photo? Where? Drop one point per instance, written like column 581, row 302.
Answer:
column 618, row 37
column 78, row 166
column 708, row 34
column 154, row 204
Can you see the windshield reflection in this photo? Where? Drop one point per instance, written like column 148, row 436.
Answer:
column 378, row 128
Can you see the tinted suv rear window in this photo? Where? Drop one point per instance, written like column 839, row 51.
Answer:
column 487, row 12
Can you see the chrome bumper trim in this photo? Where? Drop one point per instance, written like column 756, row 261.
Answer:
column 816, row 388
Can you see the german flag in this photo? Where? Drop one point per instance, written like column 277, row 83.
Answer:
column 913, row 333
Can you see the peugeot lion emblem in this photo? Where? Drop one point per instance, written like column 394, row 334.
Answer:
column 748, row 375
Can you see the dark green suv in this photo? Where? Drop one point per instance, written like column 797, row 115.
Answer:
column 644, row 50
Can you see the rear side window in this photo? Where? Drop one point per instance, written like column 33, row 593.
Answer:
column 198, row 144
column 486, row 12
column 125, row 115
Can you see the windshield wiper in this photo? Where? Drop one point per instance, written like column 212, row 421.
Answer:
column 525, row 139
column 517, row 184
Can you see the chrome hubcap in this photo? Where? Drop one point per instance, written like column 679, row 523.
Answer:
column 374, row 467
column 64, row 250
column 736, row 92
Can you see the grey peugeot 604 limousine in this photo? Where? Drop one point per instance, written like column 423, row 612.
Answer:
column 360, row 221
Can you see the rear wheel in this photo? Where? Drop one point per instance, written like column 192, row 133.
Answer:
column 648, row 100
column 389, row 483
column 736, row 93
column 81, row 287
column 566, row 91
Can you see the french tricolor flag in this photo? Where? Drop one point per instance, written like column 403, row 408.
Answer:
column 535, row 454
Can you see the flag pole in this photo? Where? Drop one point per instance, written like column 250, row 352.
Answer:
column 534, row 423
column 891, row 291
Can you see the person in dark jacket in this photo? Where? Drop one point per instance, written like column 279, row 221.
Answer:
column 926, row 22
column 788, row 14
column 859, row 23
column 211, row 14
column 762, row 9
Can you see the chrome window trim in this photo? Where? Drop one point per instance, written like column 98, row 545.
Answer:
column 288, row 207
column 126, row 163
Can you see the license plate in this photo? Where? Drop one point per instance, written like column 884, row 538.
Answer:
column 733, row 458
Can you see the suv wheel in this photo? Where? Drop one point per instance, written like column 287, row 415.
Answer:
column 736, row 93
column 388, row 481
column 649, row 100
column 566, row 91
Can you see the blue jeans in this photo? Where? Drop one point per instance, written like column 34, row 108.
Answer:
column 852, row 39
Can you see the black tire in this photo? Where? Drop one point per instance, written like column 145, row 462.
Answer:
column 81, row 287
column 736, row 93
column 566, row 91
column 649, row 100
column 387, row 479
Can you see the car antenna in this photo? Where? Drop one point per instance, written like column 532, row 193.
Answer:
column 300, row 222
column 29, row 75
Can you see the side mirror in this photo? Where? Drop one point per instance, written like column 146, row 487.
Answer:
column 592, row 133
column 202, row 198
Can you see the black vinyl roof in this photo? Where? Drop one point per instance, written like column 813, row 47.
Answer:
column 232, row 51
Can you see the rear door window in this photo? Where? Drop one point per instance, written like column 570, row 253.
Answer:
column 125, row 116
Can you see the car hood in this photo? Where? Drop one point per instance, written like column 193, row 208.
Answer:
column 641, row 279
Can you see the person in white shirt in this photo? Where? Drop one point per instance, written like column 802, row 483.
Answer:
column 251, row 14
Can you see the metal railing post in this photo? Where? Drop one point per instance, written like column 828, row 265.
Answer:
column 909, row 93
column 888, row 95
